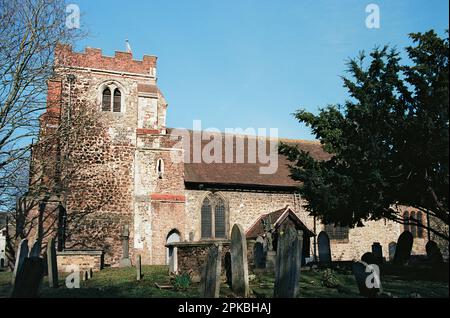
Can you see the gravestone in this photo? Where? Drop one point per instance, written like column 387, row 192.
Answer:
column 287, row 273
column 403, row 249
column 239, row 267
column 433, row 252
column 377, row 252
column 90, row 273
column 367, row 279
column 369, row 258
column 52, row 266
column 259, row 257
column 227, row 265
column 29, row 279
column 125, row 261
column 35, row 249
column 138, row 267
column 22, row 253
column 210, row 281
column 323, row 242
column 392, row 247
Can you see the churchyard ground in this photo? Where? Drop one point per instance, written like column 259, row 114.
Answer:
column 121, row 282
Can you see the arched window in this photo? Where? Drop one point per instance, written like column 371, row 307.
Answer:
column 206, row 219
column 214, row 218
column 414, row 217
column 419, row 228
column 160, row 168
column 337, row 232
column 219, row 218
column 406, row 220
column 106, row 100
column 413, row 228
column 117, row 101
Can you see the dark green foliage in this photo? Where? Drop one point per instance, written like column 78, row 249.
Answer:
column 181, row 281
column 389, row 140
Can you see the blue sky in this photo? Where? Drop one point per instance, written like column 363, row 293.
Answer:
column 251, row 63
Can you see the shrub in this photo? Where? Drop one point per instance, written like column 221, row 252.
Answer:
column 329, row 279
column 181, row 281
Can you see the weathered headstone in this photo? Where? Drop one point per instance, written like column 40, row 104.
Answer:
column 210, row 281
column 433, row 252
column 367, row 279
column 29, row 279
column 36, row 249
column 404, row 247
column 85, row 275
column 138, row 267
column 323, row 241
column 392, row 247
column 90, row 273
column 271, row 258
column 125, row 261
column 287, row 273
column 22, row 253
column 52, row 266
column 259, row 257
column 227, row 266
column 369, row 258
column 239, row 266
column 377, row 251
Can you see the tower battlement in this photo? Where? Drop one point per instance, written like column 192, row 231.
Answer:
column 92, row 58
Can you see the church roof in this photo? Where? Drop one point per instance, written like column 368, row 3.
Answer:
column 277, row 218
column 247, row 174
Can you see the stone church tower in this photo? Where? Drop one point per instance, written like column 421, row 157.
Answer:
column 120, row 157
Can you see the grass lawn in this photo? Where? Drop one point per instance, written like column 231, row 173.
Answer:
column 121, row 282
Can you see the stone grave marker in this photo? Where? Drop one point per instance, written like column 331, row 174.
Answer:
column 90, row 273
column 369, row 258
column 323, row 241
column 403, row 249
column 227, row 266
column 259, row 255
column 433, row 252
column 288, row 266
column 21, row 254
column 35, row 249
column 392, row 247
column 377, row 252
column 138, row 267
column 125, row 261
column 367, row 279
column 239, row 266
column 29, row 279
column 210, row 281
column 52, row 266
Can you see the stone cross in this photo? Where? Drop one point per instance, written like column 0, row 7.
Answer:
column 22, row 253
column 125, row 261
column 138, row 267
column 52, row 266
column 377, row 252
column 210, row 280
column 239, row 266
column 404, row 247
column 287, row 273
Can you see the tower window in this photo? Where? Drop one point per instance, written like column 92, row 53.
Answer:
column 106, row 100
column 117, row 101
column 160, row 168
